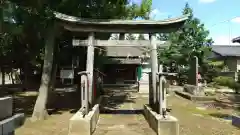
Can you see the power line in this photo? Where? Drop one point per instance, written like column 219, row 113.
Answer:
column 228, row 20
column 229, row 27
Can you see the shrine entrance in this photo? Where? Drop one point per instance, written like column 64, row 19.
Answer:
column 85, row 121
column 120, row 74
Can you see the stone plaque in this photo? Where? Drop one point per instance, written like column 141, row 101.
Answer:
column 193, row 72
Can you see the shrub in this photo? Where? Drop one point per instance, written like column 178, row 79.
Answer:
column 182, row 76
column 227, row 81
column 224, row 81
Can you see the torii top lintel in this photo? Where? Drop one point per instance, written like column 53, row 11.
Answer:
column 119, row 26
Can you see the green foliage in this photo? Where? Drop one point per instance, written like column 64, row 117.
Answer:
column 130, row 37
column 191, row 40
column 141, row 37
column 223, row 80
column 182, row 76
column 23, row 23
column 211, row 69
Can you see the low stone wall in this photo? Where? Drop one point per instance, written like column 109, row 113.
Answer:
column 162, row 126
column 236, row 121
column 193, row 97
column 6, row 107
column 7, row 126
column 80, row 125
column 194, row 90
column 8, row 121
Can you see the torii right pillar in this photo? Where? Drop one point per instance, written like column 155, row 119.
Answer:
column 154, row 68
column 161, row 123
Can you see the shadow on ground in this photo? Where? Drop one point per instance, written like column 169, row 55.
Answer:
column 24, row 101
column 108, row 111
column 221, row 116
column 113, row 100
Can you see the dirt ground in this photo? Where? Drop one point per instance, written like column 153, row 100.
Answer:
column 197, row 119
column 61, row 107
column 194, row 119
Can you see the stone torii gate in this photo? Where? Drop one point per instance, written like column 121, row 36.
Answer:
column 91, row 26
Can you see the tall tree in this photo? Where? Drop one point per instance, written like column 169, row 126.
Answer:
column 191, row 40
column 40, row 111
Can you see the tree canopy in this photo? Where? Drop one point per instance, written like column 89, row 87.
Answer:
column 191, row 40
column 25, row 27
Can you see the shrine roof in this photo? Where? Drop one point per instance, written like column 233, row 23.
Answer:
column 130, row 51
column 227, row 50
column 108, row 25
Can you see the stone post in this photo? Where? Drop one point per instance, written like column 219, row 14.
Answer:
column 193, row 73
column 84, row 93
column 162, row 94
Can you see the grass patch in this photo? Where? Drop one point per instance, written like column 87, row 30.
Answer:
column 195, row 110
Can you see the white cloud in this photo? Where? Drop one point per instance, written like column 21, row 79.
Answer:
column 207, row 1
column 236, row 20
column 223, row 40
column 156, row 14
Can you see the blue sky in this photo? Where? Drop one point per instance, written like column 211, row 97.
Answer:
column 221, row 17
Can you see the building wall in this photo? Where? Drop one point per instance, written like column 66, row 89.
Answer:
column 238, row 64
column 232, row 63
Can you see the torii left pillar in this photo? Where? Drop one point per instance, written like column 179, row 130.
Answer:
column 90, row 64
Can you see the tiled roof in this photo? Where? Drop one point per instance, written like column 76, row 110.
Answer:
column 226, row 50
column 236, row 40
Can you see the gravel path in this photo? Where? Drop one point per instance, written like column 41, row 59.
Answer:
column 122, row 114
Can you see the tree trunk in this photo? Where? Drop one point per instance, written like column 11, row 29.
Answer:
column 3, row 76
column 11, row 77
column 54, row 67
column 40, row 109
column 25, row 76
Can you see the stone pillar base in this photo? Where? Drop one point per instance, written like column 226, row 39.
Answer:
column 162, row 126
column 80, row 125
